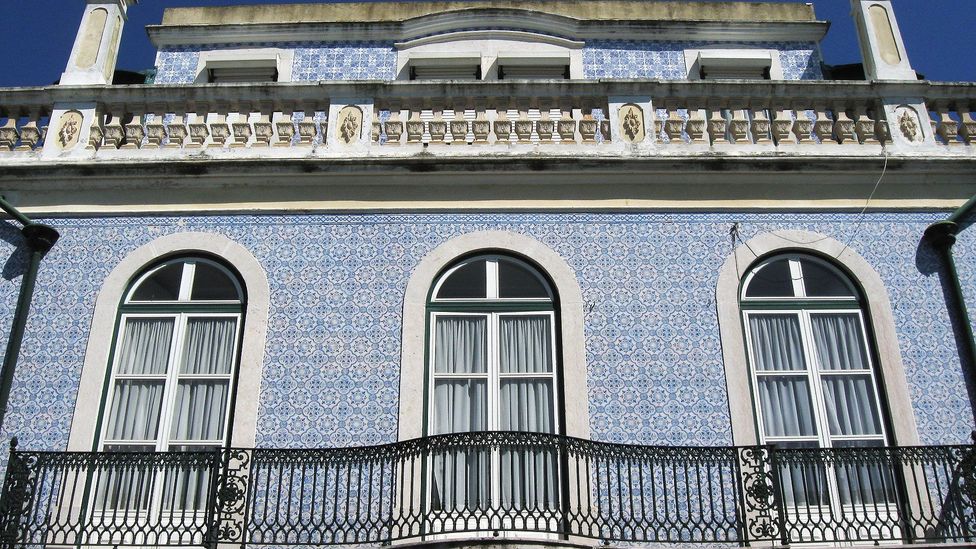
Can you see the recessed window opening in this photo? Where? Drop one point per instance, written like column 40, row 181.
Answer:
column 492, row 367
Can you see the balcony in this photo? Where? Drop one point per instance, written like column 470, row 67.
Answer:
column 497, row 485
column 397, row 120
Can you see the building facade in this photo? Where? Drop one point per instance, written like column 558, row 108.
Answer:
column 537, row 272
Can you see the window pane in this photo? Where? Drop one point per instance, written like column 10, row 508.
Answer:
column 866, row 477
column 211, row 283
column 851, row 406
column 803, row 476
column 468, row 282
column 145, row 346
column 527, row 405
column 525, row 344
column 839, row 341
column 198, row 413
column 120, row 485
column 515, row 281
column 786, row 406
column 209, row 346
column 134, row 414
column 776, row 343
column 772, row 280
column 163, row 285
column 460, row 406
column 820, row 281
column 460, row 345
column 187, row 482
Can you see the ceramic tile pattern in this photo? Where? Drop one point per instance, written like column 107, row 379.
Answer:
column 601, row 59
column 331, row 378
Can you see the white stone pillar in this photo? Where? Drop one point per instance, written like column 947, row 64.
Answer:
column 96, row 47
column 882, row 46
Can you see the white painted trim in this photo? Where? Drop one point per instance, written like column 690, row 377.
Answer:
column 282, row 57
column 877, row 310
column 749, row 57
column 82, row 436
column 491, row 35
column 570, row 308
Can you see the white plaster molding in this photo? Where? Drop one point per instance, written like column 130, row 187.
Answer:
column 493, row 47
column 728, row 56
column 82, row 436
column 570, row 311
column 491, row 35
column 877, row 309
column 882, row 46
column 283, row 58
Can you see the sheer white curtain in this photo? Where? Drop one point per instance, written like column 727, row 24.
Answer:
column 784, row 397
column 460, row 477
column 528, row 475
column 145, row 346
column 209, row 346
column 136, row 403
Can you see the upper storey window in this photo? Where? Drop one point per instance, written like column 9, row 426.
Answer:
column 490, row 55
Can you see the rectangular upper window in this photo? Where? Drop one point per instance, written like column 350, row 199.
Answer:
column 720, row 65
column 445, row 66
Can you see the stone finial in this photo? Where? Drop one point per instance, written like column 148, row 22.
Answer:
column 882, row 46
column 96, row 47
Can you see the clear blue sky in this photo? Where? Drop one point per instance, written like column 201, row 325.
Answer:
column 38, row 35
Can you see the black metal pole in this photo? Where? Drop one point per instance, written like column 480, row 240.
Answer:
column 40, row 239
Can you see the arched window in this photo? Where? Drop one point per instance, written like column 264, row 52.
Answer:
column 174, row 359
column 812, row 371
column 492, row 367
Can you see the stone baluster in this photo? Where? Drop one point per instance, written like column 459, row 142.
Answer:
column 155, row 130
column 263, row 128
column 605, row 130
column 306, row 128
column 375, row 131
column 135, row 132
column 843, row 129
column 947, row 128
column 588, row 127
column 503, row 127
column 286, row 129
column 760, row 126
column 782, row 127
column 803, row 127
column 114, row 132
column 739, row 126
column 438, row 127
column 524, row 127
column 458, row 128
column 30, row 133
column 415, row 127
column 717, row 126
column 882, row 129
column 199, row 131
column 674, row 125
column 546, row 127
column 865, row 129
column 394, row 128
column 481, row 127
column 823, row 126
column 566, row 126
column 967, row 126
column 96, row 132
column 177, row 131
column 9, row 134
column 219, row 130
column 241, row 130
column 697, row 126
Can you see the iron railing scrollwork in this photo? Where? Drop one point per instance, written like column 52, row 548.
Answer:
column 492, row 483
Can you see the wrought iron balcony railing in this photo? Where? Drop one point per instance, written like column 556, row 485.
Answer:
column 491, row 484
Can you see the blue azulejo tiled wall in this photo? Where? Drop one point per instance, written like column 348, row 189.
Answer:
column 666, row 60
column 312, row 61
column 331, row 374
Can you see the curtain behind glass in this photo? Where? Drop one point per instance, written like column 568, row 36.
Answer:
column 839, row 341
column 135, row 410
column 145, row 346
column 528, row 475
column 525, row 344
column 776, row 342
column 460, row 345
column 199, row 410
column 209, row 346
column 786, row 406
column 460, row 477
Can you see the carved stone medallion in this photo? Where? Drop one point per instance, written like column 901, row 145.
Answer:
column 69, row 129
column 631, row 123
column 908, row 124
column 349, row 124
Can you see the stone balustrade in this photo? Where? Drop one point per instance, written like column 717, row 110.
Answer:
column 626, row 117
